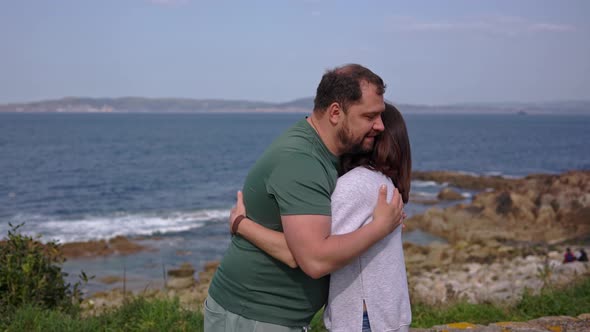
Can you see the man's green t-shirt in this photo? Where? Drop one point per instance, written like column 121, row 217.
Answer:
column 295, row 176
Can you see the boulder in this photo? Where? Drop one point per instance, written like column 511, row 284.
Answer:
column 448, row 194
column 181, row 278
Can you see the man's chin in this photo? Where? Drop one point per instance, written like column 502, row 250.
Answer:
column 368, row 145
column 363, row 147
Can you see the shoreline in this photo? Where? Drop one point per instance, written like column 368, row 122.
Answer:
column 456, row 181
column 500, row 243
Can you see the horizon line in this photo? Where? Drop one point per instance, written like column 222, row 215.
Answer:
column 296, row 99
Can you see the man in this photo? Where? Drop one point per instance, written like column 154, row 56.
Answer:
column 289, row 189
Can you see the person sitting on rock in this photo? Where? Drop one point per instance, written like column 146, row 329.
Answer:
column 583, row 256
column 569, row 256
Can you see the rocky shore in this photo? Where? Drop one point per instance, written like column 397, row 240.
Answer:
column 509, row 238
column 485, row 273
column 539, row 209
column 119, row 245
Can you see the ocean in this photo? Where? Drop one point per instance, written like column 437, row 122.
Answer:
column 172, row 178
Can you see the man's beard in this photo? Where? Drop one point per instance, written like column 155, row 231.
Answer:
column 350, row 144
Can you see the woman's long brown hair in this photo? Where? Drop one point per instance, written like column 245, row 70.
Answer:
column 391, row 155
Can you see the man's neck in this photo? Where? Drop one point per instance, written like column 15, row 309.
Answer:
column 326, row 133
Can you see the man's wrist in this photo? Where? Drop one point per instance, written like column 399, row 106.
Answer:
column 236, row 224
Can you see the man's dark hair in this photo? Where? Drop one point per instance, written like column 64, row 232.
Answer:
column 391, row 155
column 343, row 85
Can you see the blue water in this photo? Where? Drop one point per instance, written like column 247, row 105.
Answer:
column 75, row 177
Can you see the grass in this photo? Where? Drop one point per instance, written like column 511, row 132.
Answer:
column 138, row 315
column 167, row 315
column 571, row 301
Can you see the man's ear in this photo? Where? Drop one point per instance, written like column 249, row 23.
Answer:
column 335, row 113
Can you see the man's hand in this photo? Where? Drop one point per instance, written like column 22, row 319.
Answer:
column 317, row 252
column 404, row 216
column 388, row 215
column 238, row 209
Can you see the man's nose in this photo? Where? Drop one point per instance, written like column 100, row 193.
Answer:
column 378, row 125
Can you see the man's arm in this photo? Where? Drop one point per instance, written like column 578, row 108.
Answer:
column 318, row 253
column 307, row 239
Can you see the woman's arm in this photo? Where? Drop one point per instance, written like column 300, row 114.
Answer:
column 269, row 241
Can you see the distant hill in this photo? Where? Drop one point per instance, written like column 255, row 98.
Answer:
column 185, row 105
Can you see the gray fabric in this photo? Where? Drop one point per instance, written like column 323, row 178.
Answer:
column 217, row 319
column 379, row 275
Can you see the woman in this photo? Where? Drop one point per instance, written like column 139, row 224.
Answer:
column 371, row 292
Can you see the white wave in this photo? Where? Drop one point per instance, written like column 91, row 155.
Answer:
column 105, row 227
column 423, row 194
column 422, row 184
column 493, row 173
column 501, row 174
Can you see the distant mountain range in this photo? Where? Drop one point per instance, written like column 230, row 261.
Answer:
column 185, row 105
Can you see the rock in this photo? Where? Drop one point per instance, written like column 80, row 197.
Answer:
column 554, row 255
column 180, row 283
column 423, row 201
column 110, row 279
column 448, row 194
column 439, row 273
column 546, row 215
column 555, row 323
column 518, row 326
column 211, row 266
column 118, row 245
column 504, row 203
column 182, row 272
column 86, row 249
column 413, row 259
column 435, row 256
column 454, row 327
column 181, row 278
column 542, row 209
column 123, row 246
column 573, row 268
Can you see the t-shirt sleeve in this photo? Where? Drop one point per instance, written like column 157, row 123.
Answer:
column 301, row 185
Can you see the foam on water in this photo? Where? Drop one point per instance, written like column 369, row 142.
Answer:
column 423, row 184
column 105, row 227
column 423, row 194
column 502, row 174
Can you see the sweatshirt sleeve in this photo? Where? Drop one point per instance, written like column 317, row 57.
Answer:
column 355, row 197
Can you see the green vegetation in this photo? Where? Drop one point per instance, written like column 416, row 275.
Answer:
column 137, row 315
column 30, row 274
column 571, row 301
column 168, row 315
column 35, row 297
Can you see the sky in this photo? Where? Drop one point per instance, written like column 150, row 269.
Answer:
column 428, row 52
